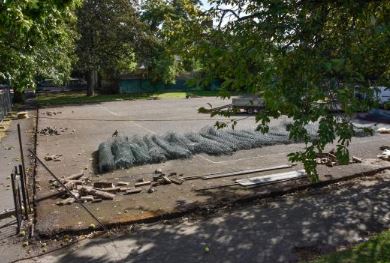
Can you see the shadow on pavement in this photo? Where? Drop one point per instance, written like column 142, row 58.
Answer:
column 282, row 230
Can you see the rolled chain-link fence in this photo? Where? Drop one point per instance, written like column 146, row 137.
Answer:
column 124, row 152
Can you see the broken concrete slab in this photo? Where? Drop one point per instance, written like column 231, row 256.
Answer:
column 103, row 184
column 144, row 206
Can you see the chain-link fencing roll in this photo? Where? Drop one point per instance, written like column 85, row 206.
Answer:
column 125, row 152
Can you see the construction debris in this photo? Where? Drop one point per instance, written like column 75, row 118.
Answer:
column 151, row 190
column 49, row 131
column 384, row 130
column 54, row 157
column 356, row 159
column 87, row 198
column 97, row 193
column 272, row 178
column 329, row 159
column 166, row 179
column 122, row 183
column 51, row 113
column 385, row 155
column 67, row 201
column 75, row 176
column 177, row 180
column 220, row 175
column 133, row 191
column 22, row 115
column 103, row 185
column 142, row 183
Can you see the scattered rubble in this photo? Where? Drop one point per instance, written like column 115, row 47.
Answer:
column 48, row 131
column 330, row 159
column 385, row 155
column 51, row 113
column 54, row 157
column 103, row 185
column 142, row 183
column 22, row 115
column 384, row 130
column 84, row 189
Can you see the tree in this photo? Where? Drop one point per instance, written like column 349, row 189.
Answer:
column 109, row 33
column 167, row 21
column 36, row 39
column 302, row 57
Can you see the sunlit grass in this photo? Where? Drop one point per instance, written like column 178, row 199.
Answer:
column 377, row 249
column 66, row 98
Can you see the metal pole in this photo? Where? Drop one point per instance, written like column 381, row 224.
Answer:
column 24, row 193
column 25, row 185
column 69, row 192
column 21, row 150
column 15, row 202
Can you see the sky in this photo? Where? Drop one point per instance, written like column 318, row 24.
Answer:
column 206, row 4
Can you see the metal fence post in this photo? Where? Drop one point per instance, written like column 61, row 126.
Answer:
column 24, row 192
column 14, row 191
column 21, row 149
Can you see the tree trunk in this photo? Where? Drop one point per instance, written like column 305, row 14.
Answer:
column 92, row 82
column 18, row 96
column 99, row 81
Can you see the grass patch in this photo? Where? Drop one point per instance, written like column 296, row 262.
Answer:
column 75, row 98
column 171, row 95
column 377, row 249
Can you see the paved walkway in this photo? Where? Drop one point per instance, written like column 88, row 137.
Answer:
column 284, row 230
column 9, row 157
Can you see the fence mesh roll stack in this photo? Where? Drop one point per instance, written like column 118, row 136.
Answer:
column 124, row 152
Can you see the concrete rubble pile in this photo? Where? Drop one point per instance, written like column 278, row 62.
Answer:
column 85, row 190
column 48, row 131
column 385, row 155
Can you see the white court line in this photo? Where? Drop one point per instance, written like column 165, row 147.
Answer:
column 142, row 127
column 136, row 124
column 241, row 159
column 109, row 111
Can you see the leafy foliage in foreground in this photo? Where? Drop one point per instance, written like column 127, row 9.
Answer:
column 36, row 39
column 305, row 58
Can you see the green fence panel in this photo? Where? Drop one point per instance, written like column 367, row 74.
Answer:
column 145, row 86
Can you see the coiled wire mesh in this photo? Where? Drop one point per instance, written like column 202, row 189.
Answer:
column 124, row 152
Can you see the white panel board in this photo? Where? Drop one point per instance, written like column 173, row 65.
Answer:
column 265, row 179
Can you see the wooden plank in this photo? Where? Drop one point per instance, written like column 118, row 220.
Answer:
column 103, row 184
column 142, row 183
column 220, row 175
column 266, row 179
column 75, row 176
column 133, row 191
column 176, row 180
column 50, row 195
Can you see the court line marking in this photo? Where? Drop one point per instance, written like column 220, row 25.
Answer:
column 132, row 122
column 109, row 111
column 142, row 127
column 241, row 159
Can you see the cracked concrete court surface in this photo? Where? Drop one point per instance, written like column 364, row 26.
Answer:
column 286, row 229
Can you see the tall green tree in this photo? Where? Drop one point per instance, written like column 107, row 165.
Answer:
column 166, row 22
column 36, row 39
column 303, row 58
column 110, row 31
